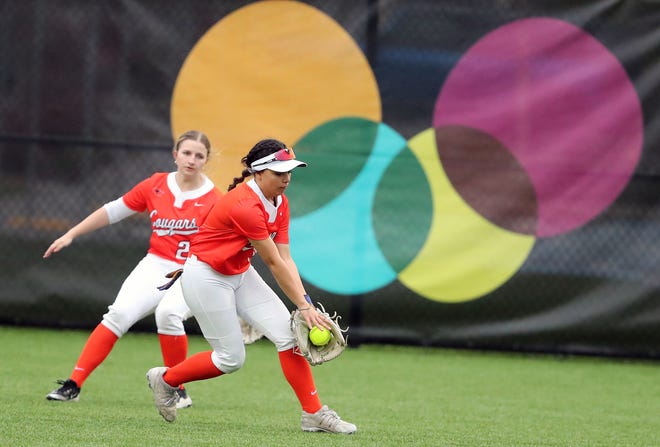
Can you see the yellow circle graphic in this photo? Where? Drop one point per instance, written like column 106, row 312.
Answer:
column 244, row 81
column 465, row 256
column 270, row 69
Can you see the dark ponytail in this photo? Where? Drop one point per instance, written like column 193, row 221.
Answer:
column 245, row 174
column 259, row 150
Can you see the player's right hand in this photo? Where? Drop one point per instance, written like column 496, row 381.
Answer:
column 58, row 245
column 314, row 318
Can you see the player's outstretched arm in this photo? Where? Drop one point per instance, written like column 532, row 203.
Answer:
column 94, row 221
column 285, row 254
column 290, row 283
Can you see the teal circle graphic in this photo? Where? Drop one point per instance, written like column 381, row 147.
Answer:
column 335, row 245
column 403, row 210
column 336, row 152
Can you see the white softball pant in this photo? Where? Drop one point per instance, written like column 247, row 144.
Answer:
column 216, row 299
column 139, row 296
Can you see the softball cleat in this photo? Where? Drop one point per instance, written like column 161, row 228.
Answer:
column 68, row 391
column 165, row 396
column 326, row 420
column 184, row 400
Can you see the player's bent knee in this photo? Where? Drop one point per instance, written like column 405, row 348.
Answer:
column 228, row 363
column 117, row 323
column 169, row 323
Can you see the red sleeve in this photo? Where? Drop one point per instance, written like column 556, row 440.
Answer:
column 136, row 198
column 245, row 218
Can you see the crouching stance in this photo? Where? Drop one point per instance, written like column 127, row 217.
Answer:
column 219, row 285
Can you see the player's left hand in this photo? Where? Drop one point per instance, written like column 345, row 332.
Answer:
column 300, row 325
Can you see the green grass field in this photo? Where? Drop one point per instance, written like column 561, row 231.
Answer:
column 397, row 396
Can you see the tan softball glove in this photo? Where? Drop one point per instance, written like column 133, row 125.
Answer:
column 317, row 354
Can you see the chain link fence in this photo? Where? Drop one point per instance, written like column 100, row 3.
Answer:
column 85, row 115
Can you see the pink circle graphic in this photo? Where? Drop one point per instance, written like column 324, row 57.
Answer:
column 539, row 127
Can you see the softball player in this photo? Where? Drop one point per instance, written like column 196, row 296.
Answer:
column 219, row 285
column 177, row 203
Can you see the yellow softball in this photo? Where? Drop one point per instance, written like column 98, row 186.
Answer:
column 319, row 337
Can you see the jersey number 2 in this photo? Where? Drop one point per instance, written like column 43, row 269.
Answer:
column 182, row 252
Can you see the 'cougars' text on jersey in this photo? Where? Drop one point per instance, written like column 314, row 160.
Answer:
column 175, row 215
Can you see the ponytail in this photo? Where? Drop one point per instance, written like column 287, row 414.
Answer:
column 262, row 148
column 246, row 173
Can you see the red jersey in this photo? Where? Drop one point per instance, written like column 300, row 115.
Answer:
column 175, row 215
column 241, row 214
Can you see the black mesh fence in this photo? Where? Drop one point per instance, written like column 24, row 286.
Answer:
column 85, row 114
